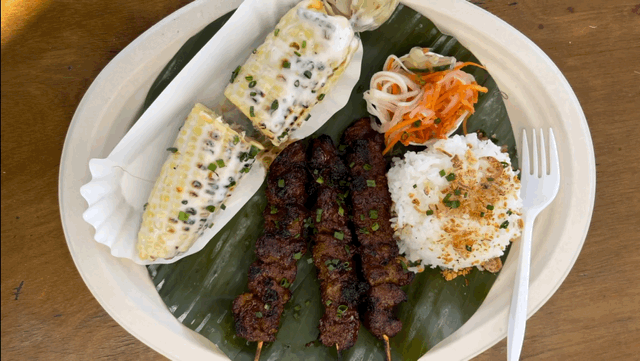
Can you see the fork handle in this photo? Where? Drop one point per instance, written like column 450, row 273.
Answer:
column 518, row 310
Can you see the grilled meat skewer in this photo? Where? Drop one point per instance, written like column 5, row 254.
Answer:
column 382, row 266
column 257, row 313
column 333, row 251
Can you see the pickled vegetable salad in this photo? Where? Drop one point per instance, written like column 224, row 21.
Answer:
column 421, row 96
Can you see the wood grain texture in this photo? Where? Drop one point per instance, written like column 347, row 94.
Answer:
column 53, row 49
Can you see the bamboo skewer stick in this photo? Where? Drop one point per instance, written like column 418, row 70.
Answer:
column 258, row 351
column 387, row 347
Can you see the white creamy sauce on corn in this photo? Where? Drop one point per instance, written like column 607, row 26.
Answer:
column 292, row 70
column 205, row 164
column 457, row 204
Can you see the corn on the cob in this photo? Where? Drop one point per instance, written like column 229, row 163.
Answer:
column 293, row 69
column 205, row 163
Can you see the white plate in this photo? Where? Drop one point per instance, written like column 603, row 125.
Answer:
column 539, row 96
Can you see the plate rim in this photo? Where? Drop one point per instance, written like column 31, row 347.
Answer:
column 199, row 5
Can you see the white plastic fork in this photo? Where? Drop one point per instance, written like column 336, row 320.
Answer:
column 538, row 189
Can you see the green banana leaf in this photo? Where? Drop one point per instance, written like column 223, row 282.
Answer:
column 199, row 289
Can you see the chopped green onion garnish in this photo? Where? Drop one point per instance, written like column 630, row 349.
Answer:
column 254, row 151
column 252, row 83
column 236, row 139
column 212, row 167
column 339, row 235
column 183, row 216
column 509, row 212
column 373, row 214
column 249, row 78
column 362, row 217
column 446, row 198
column 328, row 303
column 286, row 64
column 371, row 183
column 481, row 214
column 285, row 283
column 415, row 186
column 297, row 255
column 318, row 214
column 172, row 150
column 297, row 54
column 437, row 121
column 307, row 118
column 490, row 179
column 259, row 314
column 251, row 112
column 321, row 96
column 466, row 194
column 253, row 94
column 490, row 207
column 429, row 212
column 504, row 224
column 450, row 177
column 267, row 306
column 308, row 74
column 220, row 163
column 304, row 44
column 274, row 210
column 274, row 105
column 297, row 235
column 367, row 167
column 296, row 83
column 454, row 204
column 343, row 308
column 341, row 211
column 442, row 173
column 346, row 248
column 457, row 192
column 211, row 208
column 417, row 123
column 352, row 164
column 504, row 164
column 320, row 180
column 275, row 32
column 469, row 248
column 234, row 73
column 375, row 226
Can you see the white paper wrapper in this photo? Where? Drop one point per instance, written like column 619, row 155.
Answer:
column 122, row 182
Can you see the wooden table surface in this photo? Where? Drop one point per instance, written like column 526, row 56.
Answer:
column 53, row 49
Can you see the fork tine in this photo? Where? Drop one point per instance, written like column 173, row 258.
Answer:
column 534, row 140
column 554, row 164
column 525, row 153
column 543, row 155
